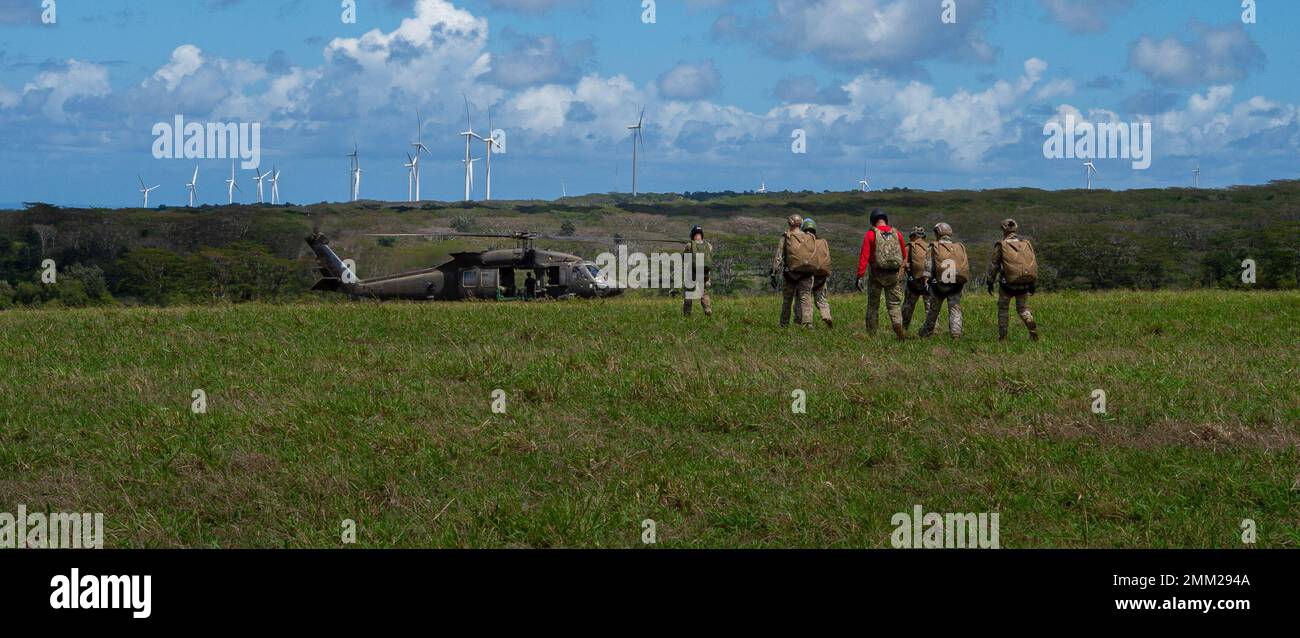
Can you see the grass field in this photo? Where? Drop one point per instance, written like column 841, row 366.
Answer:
column 621, row 410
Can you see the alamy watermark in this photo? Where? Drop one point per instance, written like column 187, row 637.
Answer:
column 1101, row 140
column 653, row 271
column 55, row 530
column 932, row 530
column 212, row 140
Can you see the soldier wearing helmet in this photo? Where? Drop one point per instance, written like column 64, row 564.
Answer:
column 695, row 246
column 946, row 271
column 797, row 287
column 1017, row 256
column 914, row 289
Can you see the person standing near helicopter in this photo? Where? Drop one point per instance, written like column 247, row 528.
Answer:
column 695, row 246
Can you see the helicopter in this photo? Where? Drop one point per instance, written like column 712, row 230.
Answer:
column 489, row 274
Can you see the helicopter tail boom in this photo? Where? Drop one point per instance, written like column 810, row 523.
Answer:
column 335, row 271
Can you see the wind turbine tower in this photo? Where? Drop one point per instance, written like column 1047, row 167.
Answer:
column 636, row 140
column 231, row 186
column 145, row 190
column 258, row 178
column 469, row 136
column 1090, row 170
column 193, row 185
column 419, row 147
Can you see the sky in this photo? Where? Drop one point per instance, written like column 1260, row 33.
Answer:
column 928, row 94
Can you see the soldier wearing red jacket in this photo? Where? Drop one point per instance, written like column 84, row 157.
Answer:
column 886, row 270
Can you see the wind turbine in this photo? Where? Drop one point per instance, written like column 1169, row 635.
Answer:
column 193, row 185
column 863, row 184
column 258, row 178
column 1090, row 170
column 564, row 190
column 469, row 163
column 762, row 185
column 469, row 170
column 231, row 186
column 414, row 165
column 491, row 144
column 275, row 185
column 636, row 139
column 145, row 190
column 356, row 182
column 1197, row 174
column 354, row 167
column 411, row 175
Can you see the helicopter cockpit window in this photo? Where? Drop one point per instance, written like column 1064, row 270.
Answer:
column 594, row 271
column 469, row 278
column 489, row 279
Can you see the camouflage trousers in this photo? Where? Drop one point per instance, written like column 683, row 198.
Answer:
column 934, row 305
column 1022, row 309
column 820, row 299
column 893, row 294
column 798, row 290
column 705, row 302
column 909, row 304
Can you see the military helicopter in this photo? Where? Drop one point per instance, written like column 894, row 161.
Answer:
column 489, row 274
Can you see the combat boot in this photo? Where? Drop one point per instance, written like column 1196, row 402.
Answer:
column 900, row 332
column 1033, row 330
column 829, row 324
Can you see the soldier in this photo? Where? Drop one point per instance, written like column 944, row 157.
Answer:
column 946, row 272
column 884, row 252
column 822, row 276
column 1015, row 268
column 798, row 286
column 698, row 245
column 917, row 250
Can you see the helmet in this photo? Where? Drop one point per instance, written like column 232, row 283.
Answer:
column 942, row 230
column 809, row 225
column 795, row 220
column 697, row 229
column 877, row 215
column 916, row 231
column 1009, row 226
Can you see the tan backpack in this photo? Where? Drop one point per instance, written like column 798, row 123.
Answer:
column 1019, row 266
column 800, row 253
column 944, row 251
column 822, row 259
column 916, row 256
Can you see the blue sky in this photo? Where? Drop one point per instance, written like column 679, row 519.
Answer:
column 880, row 84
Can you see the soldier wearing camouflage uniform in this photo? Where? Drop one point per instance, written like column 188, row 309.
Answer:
column 819, row 283
column 1007, row 293
column 940, row 291
column 698, row 245
column 915, row 286
column 798, row 286
column 881, row 283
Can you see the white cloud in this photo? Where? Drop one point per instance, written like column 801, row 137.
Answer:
column 1211, row 122
column 1214, row 55
column 690, row 81
column 186, row 59
column 76, row 79
column 890, row 35
column 1085, row 16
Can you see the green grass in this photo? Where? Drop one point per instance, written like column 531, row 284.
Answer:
column 622, row 410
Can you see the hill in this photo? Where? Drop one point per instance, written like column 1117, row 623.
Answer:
column 1138, row 239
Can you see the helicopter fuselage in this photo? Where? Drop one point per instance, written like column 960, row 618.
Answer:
column 492, row 274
